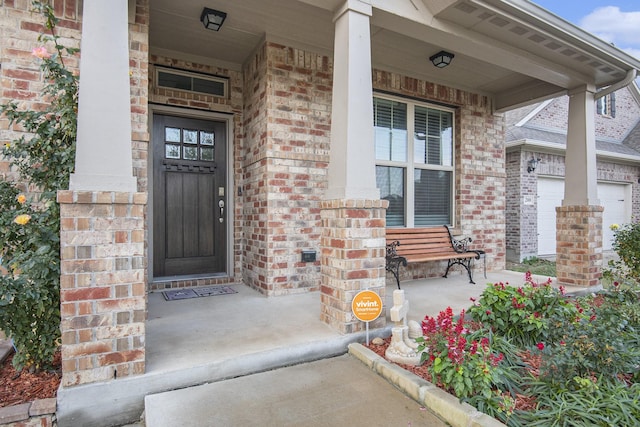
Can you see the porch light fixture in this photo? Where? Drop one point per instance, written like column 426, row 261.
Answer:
column 532, row 164
column 441, row 59
column 212, row 19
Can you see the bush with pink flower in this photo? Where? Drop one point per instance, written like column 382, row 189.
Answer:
column 29, row 215
column 532, row 355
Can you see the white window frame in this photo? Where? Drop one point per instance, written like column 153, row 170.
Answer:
column 410, row 165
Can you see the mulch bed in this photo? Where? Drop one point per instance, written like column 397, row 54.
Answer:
column 522, row 402
column 23, row 387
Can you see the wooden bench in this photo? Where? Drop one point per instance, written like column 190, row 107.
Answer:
column 409, row 245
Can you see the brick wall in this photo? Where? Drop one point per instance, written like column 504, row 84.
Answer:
column 555, row 116
column 139, row 80
column 353, row 250
column 102, row 285
column 287, row 124
column 20, row 77
column 579, row 258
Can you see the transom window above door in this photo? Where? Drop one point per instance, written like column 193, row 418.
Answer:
column 189, row 144
column 414, row 161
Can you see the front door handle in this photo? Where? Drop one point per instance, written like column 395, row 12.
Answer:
column 221, row 205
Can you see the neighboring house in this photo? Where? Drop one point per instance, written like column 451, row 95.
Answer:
column 536, row 137
column 209, row 157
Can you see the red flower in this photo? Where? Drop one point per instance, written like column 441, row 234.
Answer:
column 488, row 312
column 540, row 346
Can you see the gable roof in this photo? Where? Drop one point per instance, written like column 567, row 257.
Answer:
column 520, row 130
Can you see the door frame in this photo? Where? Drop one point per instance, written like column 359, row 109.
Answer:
column 229, row 198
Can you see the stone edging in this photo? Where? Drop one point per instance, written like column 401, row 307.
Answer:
column 40, row 412
column 446, row 406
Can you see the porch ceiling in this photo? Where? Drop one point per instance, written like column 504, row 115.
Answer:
column 511, row 50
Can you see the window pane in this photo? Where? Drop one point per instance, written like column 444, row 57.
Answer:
column 172, row 134
column 208, row 86
column 206, row 138
column 190, row 136
column 390, row 181
column 174, row 81
column 433, row 138
column 206, row 154
column 432, row 204
column 172, row 151
column 390, row 122
column 190, row 153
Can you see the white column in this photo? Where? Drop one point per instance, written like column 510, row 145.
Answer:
column 352, row 161
column 103, row 148
column 580, row 161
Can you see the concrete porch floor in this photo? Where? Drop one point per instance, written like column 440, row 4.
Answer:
column 208, row 339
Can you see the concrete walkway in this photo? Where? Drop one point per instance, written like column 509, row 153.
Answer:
column 340, row 391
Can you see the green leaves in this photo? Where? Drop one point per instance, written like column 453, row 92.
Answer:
column 30, row 226
column 519, row 313
column 582, row 355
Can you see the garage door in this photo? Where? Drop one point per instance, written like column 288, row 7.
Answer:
column 616, row 199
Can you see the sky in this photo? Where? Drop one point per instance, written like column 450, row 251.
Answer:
column 614, row 21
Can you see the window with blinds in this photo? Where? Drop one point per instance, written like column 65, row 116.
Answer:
column 419, row 187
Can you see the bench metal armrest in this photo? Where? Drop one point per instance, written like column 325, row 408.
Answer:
column 392, row 249
column 461, row 245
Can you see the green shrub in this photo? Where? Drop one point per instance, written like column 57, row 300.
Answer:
column 625, row 271
column 30, row 225
column 520, row 313
column 605, row 340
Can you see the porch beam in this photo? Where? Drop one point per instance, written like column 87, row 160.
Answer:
column 103, row 148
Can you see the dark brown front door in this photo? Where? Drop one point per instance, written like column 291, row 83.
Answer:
column 189, row 196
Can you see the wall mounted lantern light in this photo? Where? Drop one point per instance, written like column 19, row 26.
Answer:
column 532, row 164
column 441, row 59
column 212, row 19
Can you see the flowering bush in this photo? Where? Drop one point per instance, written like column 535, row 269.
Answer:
column 460, row 358
column 30, row 225
column 576, row 361
column 519, row 313
column 626, row 243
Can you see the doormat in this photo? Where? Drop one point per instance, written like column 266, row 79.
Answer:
column 207, row 291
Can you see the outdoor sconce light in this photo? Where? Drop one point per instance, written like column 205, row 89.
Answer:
column 441, row 59
column 532, row 164
column 212, row 19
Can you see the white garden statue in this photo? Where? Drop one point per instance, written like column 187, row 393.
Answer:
column 403, row 346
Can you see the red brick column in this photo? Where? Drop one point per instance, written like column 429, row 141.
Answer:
column 579, row 247
column 352, row 259
column 103, row 295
